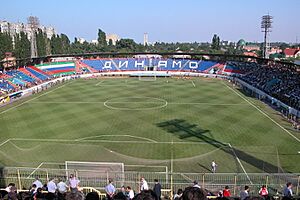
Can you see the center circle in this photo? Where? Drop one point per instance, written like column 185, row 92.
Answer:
column 135, row 103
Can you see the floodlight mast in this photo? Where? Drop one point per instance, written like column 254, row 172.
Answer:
column 266, row 25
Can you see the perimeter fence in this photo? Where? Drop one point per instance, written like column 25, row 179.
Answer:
column 24, row 177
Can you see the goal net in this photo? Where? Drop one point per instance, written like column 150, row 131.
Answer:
column 101, row 171
column 147, row 72
column 147, row 76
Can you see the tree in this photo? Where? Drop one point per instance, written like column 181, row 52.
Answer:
column 110, row 42
column 101, row 38
column 76, row 40
column 41, row 42
column 56, row 45
column 126, row 44
column 65, row 43
column 215, row 42
column 6, row 44
column 22, row 46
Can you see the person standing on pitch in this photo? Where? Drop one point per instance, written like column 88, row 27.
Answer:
column 213, row 166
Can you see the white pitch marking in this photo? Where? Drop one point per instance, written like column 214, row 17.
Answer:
column 67, row 102
column 237, row 158
column 100, row 141
column 193, row 84
column 3, row 143
column 99, row 83
column 16, row 106
column 35, row 170
column 132, row 136
column 174, row 103
column 23, row 149
column 263, row 113
column 210, row 104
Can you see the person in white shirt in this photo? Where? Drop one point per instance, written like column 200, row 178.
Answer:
column 178, row 195
column 38, row 183
column 8, row 188
column 51, row 185
column 213, row 166
column 130, row 192
column 288, row 192
column 195, row 184
column 62, row 186
column 144, row 184
column 73, row 183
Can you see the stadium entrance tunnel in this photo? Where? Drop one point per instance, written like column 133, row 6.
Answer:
column 135, row 103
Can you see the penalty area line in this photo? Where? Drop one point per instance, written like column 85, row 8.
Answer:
column 237, row 158
column 3, row 143
column 99, row 83
column 67, row 141
column 193, row 84
column 262, row 112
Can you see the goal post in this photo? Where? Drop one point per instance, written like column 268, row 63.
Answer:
column 147, row 72
column 147, row 76
column 99, row 170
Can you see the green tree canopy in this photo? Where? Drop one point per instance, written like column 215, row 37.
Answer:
column 6, row 44
column 101, row 38
column 22, row 46
column 126, row 44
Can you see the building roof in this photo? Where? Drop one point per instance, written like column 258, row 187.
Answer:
column 250, row 54
column 241, row 42
column 290, row 51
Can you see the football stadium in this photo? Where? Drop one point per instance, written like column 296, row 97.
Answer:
column 147, row 117
column 180, row 118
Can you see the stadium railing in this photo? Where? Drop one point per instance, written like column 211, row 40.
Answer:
column 23, row 178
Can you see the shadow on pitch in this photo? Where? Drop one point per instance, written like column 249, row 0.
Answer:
column 204, row 167
column 191, row 132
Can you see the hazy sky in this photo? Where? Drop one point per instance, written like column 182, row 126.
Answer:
column 163, row 20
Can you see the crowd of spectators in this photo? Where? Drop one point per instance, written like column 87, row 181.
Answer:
column 281, row 81
column 70, row 190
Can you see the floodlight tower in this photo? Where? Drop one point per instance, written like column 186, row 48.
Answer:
column 266, row 25
column 33, row 23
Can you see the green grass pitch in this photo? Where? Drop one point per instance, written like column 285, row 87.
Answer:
column 181, row 124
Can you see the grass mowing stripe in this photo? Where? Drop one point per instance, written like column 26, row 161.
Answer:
column 29, row 100
column 262, row 112
column 206, row 115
